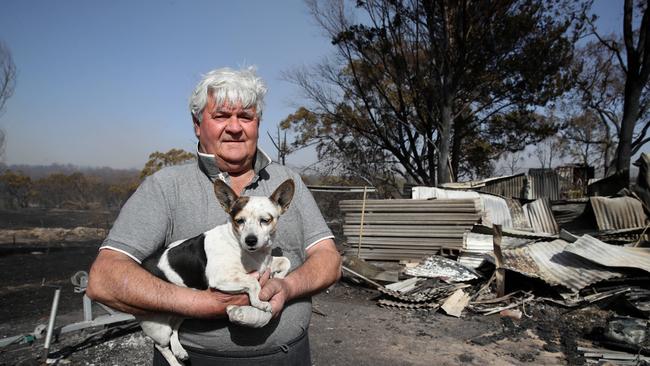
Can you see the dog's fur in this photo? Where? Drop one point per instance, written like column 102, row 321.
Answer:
column 222, row 259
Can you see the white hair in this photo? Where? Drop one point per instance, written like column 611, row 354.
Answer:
column 228, row 85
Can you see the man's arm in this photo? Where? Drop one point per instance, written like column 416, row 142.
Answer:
column 118, row 281
column 320, row 270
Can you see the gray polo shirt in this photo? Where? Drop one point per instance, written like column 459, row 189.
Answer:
column 178, row 202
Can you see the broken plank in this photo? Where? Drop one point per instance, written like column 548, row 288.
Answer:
column 456, row 303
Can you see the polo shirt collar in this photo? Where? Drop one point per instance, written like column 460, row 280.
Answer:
column 208, row 165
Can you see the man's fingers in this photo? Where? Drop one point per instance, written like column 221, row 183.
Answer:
column 264, row 278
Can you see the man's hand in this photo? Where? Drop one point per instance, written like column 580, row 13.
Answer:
column 276, row 292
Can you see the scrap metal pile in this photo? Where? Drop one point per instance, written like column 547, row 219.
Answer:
column 511, row 256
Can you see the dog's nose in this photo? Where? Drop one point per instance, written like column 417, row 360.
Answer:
column 251, row 240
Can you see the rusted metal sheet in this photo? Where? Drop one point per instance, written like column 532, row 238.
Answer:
column 618, row 212
column 610, row 255
column 549, row 262
column 541, row 217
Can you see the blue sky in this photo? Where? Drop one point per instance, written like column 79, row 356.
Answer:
column 105, row 83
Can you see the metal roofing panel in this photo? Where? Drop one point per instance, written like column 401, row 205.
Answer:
column 514, row 186
column 549, row 261
column 407, row 229
column 436, row 266
column 609, row 255
column 618, row 212
column 544, row 184
column 424, row 193
column 483, row 243
column 495, row 209
column 541, row 217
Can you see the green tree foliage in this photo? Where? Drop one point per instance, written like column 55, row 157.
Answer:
column 415, row 83
column 17, row 189
column 158, row 160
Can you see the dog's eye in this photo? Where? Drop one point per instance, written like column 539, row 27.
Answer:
column 240, row 221
column 265, row 221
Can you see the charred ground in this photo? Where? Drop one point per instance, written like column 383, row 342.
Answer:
column 347, row 327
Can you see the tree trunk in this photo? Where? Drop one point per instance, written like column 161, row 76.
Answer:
column 630, row 116
column 456, row 150
column 443, row 148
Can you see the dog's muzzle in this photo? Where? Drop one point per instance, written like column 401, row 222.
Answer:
column 251, row 240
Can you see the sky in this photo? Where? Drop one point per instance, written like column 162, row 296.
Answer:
column 106, row 83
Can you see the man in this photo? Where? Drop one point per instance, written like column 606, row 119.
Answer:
column 178, row 202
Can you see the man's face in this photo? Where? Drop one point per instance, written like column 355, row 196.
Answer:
column 230, row 133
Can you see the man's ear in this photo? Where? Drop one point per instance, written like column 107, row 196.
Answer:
column 225, row 194
column 283, row 194
column 197, row 126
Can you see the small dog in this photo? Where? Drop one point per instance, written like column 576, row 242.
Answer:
column 222, row 259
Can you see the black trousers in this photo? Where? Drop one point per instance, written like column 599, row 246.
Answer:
column 294, row 353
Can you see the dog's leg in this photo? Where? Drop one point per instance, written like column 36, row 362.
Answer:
column 248, row 316
column 280, row 267
column 243, row 283
column 169, row 356
column 175, row 343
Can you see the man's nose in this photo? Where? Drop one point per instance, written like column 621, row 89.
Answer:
column 234, row 126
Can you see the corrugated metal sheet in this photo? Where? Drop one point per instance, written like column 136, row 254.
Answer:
column 541, row 217
column 519, row 217
column 424, row 193
column 475, row 246
column 437, row 266
column 618, row 212
column 407, row 229
column 549, row 262
column 516, row 233
column 483, row 243
column 513, row 186
column 471, row 260
column 527, row 186
column 495, row 209
column 610, row 255
column 544, row 184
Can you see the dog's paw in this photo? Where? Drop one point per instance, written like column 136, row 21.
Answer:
column 265, row 306
column 181, row 354
column 248, row 316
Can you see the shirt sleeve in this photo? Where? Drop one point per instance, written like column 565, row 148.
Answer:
column 314, row 226
column 143, row 223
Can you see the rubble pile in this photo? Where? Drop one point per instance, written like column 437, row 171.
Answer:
column 517, row 256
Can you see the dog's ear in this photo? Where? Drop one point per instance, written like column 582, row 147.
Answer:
column 225, row 194
column 283, row 194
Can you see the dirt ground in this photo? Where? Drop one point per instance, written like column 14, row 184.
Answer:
column 347, row 328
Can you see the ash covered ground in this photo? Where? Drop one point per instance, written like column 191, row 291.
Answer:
column 347, row 328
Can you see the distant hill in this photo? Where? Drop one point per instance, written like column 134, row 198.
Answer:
column 106, row 174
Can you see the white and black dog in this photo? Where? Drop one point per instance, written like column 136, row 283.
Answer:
column 222, row 259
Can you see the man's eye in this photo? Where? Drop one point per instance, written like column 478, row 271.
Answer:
column 240, row 221
column 246, row 117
